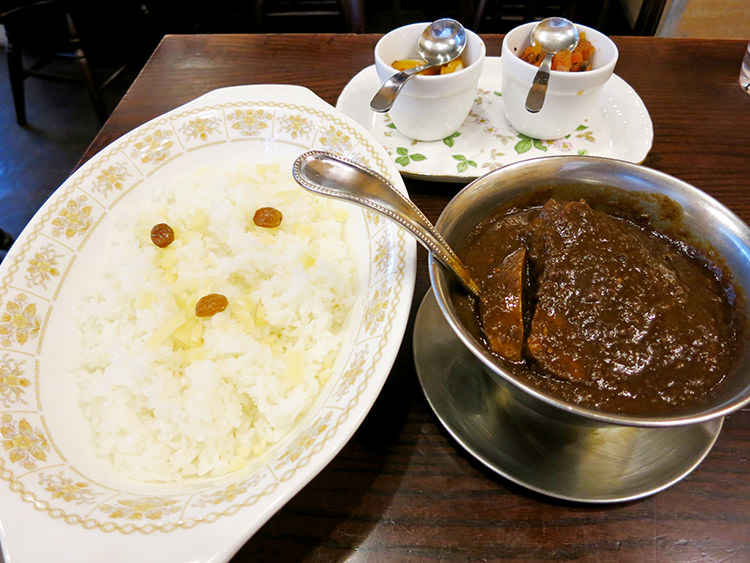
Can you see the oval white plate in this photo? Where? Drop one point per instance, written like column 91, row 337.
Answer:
column 620, row 127
column 58, row 500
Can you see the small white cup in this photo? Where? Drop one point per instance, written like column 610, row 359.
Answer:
column 429, row 108
column 571, row 96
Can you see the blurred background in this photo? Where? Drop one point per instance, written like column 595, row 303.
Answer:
column 41, row 142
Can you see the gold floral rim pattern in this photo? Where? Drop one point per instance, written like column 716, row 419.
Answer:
column 33, row 274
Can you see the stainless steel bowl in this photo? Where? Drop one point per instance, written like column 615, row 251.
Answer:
column 565, row 435
column 702, row 219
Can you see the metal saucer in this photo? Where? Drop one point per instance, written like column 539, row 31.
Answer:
column 598, row 463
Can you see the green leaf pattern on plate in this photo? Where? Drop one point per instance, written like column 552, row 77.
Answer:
column 485, row 141
column 463, row 162
column 451, row 140
column 404, row 157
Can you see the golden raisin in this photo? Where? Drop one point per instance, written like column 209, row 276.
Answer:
column 162, row 235
column 267, row 217
column 210, row 304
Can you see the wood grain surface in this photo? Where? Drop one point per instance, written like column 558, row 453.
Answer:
column 402, row 489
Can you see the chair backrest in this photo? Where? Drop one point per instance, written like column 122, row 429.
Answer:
column 310, row 15
column 38, row 27
column 498, row 16
column 649, row 17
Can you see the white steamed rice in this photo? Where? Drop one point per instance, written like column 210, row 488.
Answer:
column 170, row 395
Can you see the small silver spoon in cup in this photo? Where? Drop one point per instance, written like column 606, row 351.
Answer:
column 441, row 42
column 335, row 176
column 552, row 35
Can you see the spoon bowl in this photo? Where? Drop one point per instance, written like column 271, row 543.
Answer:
column 552, row 35
column 441, row 42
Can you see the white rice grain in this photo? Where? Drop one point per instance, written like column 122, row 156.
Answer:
column 170, row 395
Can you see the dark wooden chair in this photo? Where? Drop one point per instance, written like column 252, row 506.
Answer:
column 306, row 15
column 43, row 31
column 649, row 17
column 500, row 16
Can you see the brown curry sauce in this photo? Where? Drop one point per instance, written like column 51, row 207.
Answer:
column 600, row 310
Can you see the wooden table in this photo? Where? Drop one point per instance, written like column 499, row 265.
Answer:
column 402, row 490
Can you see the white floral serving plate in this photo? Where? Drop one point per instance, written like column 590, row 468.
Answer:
column 58, row 499
column 620, row 127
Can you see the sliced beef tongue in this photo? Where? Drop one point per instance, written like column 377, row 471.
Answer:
column 609, row 303
column 501, row 307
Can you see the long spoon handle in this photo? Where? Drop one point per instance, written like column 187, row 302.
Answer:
column 335, row 176
column 538, row 91
column 383, row 99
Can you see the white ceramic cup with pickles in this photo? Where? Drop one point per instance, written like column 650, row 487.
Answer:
column 571, row 96
column 429, row 108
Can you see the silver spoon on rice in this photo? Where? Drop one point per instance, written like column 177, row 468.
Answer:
column 338, row 177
